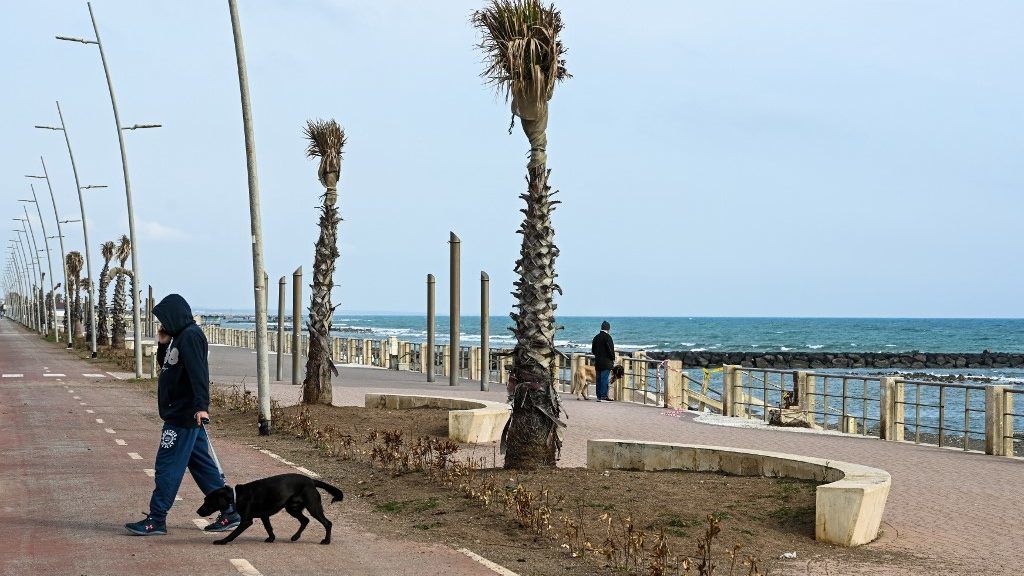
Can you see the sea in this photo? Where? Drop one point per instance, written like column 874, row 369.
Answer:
column 711, row 334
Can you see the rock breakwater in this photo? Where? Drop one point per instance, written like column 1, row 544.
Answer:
column 819, row 360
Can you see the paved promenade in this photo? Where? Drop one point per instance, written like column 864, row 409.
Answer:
column 965, row 510
column 76, row 451
column 69, row 479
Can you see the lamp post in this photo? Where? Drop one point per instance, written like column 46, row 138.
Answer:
column 49, row 260
column 136, row 273
column 60, row 236
column 28, row 269
column 258, row 273
column 39, row 269
column 32, row 270
column 19, row 269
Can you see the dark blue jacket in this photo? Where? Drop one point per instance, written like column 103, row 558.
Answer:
column 184, row 386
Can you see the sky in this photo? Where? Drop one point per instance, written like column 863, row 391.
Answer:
column 825, row 158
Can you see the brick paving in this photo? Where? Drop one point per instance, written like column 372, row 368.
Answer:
column 963, row 510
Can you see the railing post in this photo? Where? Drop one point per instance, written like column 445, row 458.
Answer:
column 727, row 372
column 807, row 385
column 995, row 404
column 887, row 408
column 474, row 362
column 676, row 396
column 446, row 360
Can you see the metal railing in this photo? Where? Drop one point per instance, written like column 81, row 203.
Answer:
column 953, row 411
column 853, row 400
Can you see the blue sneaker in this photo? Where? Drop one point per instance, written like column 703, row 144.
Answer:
column 224, row 522
column 147, row 527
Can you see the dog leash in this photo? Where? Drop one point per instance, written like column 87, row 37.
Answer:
column 213, row 453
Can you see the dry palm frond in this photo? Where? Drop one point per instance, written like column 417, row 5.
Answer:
column 124, row 249
column 326, row 141
column 522, row 49
column 74, row 263
column 107, row 250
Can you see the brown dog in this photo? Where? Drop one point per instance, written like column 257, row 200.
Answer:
column 586, row 375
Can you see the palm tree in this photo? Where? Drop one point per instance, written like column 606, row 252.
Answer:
column 122, row 253
column 102, row 330
column 86, row 287
column 525, row 60
column 326, row 141
column 74, row 264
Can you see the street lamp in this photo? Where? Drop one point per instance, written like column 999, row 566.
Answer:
column 259, row 276
column 19, row 270
column 42, row 281
column 136, row 274
column 49, row 261
column 32, row 270
column 27, row 267
column 63, row 256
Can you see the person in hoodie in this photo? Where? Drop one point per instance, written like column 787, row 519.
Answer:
column 183, row 393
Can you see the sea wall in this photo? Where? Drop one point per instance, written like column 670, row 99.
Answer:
column 818, row 360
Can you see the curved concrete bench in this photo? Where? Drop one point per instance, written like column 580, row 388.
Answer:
column 469, row 421
column 847, row 511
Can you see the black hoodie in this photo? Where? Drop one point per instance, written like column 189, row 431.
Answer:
column 184, row 386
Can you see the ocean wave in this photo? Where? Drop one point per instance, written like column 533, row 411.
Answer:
column 687, row 343
column 784, row 349
column 815, row 346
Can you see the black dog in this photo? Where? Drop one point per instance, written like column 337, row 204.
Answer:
column 264, row 498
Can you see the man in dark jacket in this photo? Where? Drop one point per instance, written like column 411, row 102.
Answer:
column 603, row 350
column 183, row 394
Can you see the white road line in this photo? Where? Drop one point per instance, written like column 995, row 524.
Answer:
column 287, row 463
column 114, row 376
column 54, row 374
column 109, row 431
column 87, row 411
column 495, row 567
column 307, row 472
column 149, row 472
column 13, row 375
column 271, row 454
column 71, row 391
column 134, row 456
column 76, row 397
column 200, row 522
column 82, row 404
column 120, row 442
column 94, row 375
column 244, row 568
column 99, row 420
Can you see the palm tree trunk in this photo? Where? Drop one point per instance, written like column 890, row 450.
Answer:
column 316, row 388
column 531, row 436
column 102, row 331
column 79, row 330
column 117, row 323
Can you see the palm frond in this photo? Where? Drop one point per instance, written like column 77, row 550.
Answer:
column 124, row 249
column 107, row 250
column 523, row 53
column 326, row 141
column 74, row 263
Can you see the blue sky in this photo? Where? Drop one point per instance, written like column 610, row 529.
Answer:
column 826, row 158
